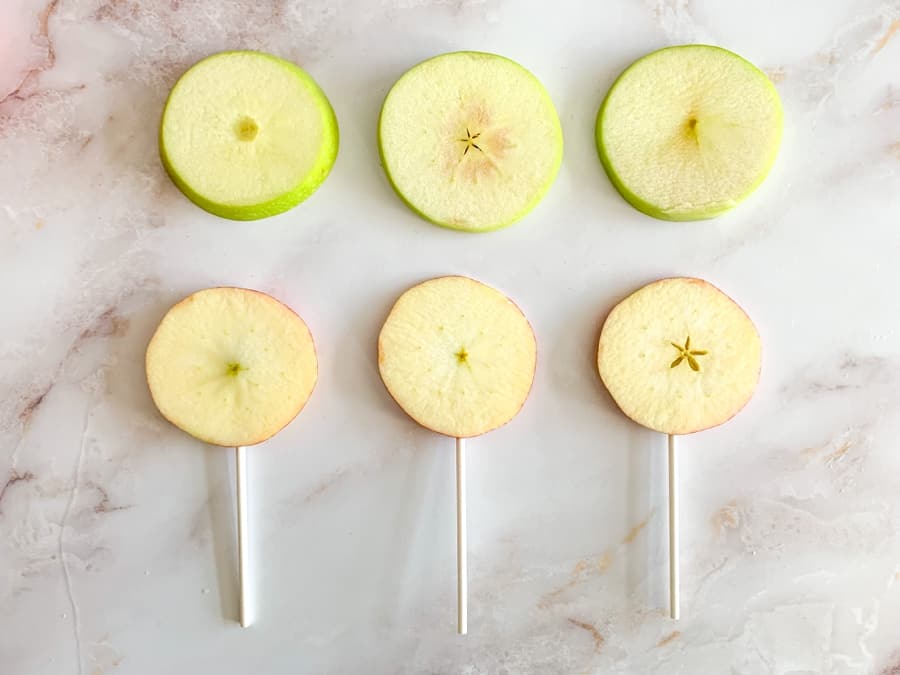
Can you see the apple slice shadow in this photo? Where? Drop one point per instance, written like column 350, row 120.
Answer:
column 417, row 544
column 647, row 557
column 221, row 505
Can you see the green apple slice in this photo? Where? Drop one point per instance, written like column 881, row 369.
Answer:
column 686, row 133
column 231, row 366
column 246, row 135
column 470, row 141
column 458, row 356
column 679, row 356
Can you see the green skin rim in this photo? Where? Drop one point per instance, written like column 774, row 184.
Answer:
column 704, row 214
column 539, row 195
column 311, row 181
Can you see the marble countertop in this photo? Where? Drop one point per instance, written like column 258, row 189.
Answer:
column 117, row 551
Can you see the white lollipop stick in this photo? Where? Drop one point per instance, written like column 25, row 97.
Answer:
column 240, row 455
column 674, row 601
column 462, row 583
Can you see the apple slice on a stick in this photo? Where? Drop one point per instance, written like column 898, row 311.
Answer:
column 679, row 356
column 231, row 367
column 459, row 357
column 470, row 141
column 687, row 132
column 246, row 135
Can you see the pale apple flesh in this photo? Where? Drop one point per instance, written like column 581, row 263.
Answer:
column 679, row 356
column 247, row 135
column 231, row 366
column 686, row 133
column 469, row 140
column 458, row 356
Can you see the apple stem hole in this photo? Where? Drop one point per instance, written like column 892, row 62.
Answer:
column 246, row 129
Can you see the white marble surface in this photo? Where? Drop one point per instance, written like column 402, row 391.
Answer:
column 116, row 531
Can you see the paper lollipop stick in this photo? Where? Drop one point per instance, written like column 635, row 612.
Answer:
column 674, row 582
column 678, row 356
column 232, row 367
column 240, row 463
column 459, row 358
column 462, row 573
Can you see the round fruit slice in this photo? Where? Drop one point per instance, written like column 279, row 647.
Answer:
column 231, row 366
column 679, row 356
column 470, row 141
column 687, row 132
column 246, row 135
column 458, row 356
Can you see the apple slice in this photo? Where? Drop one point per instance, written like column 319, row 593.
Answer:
column 470, row 141
column 231, row 366
column 458, row 356
column 679, row 356
column 246, row 135
column 686, row 133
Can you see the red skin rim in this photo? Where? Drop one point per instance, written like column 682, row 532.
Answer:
column 692, row 280
column 243, row 290
column 530, row 327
